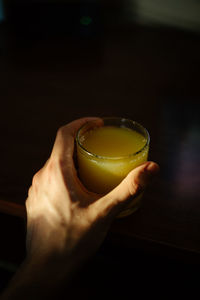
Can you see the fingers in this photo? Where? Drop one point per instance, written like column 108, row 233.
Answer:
column 63, row 150
column 74, row 126
column 64, row 143
column 135, row 182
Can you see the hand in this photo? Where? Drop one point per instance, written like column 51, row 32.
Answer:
column 63, row 216
column 66, row 223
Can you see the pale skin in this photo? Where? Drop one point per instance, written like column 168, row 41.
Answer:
column 66, row 223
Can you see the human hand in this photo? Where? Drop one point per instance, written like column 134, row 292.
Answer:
column 63, row 217
column 66, row 223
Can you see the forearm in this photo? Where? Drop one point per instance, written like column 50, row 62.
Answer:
column 42, row 278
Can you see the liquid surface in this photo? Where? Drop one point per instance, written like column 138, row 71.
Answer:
column 114, row 148
column 110, row 141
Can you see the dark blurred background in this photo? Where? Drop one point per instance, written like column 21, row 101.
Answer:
column 61, row 60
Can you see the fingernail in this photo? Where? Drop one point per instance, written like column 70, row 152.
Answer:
column 148, row 174
column 153, row 168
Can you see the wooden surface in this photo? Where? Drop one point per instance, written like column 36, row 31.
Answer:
column 150, row 75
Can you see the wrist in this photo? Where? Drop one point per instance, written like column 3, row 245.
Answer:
column 41, row 277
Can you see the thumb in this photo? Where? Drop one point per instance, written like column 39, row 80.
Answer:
column 134, row 183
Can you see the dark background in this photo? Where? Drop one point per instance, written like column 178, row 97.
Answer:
column 62, row 60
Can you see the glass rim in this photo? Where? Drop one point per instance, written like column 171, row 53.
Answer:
column 147, row 137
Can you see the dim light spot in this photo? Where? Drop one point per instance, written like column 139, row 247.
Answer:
column 86, row 20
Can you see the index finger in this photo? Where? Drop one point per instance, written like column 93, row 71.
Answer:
column 64, row 143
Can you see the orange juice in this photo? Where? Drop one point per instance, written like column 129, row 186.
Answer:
column 107, row 154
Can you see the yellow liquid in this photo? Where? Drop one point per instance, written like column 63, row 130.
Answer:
column 113, row 150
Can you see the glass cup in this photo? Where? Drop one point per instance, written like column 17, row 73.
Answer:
column 107, row 150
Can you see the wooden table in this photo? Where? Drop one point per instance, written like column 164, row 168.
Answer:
column 147, row 74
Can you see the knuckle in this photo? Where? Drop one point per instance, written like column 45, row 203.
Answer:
column 35, row 179
column 29, row 199
column 35, row 182
column 59, row 133
column 30, row 191
column 133, row 186
column 27, row 204
column 61, row 130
